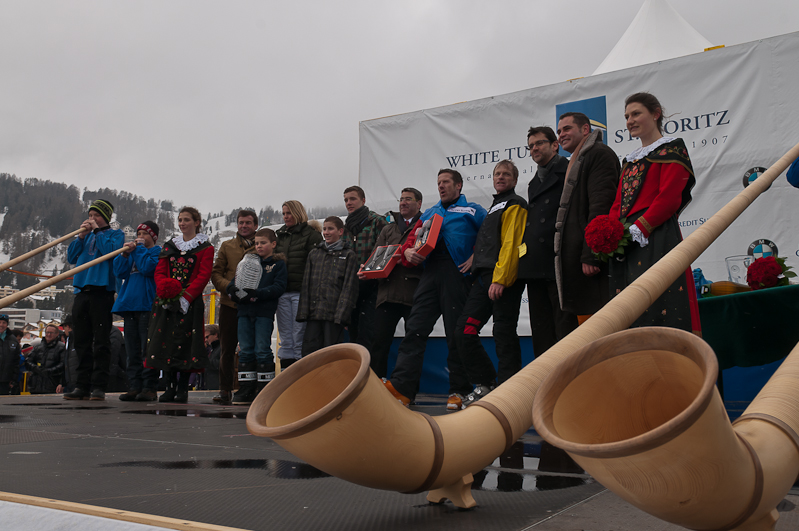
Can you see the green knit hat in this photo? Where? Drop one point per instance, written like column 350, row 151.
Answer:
column 104, row 208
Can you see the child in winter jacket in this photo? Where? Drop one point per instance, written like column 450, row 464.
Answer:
column 256, row 314
column 329, row 289
column 136, row 269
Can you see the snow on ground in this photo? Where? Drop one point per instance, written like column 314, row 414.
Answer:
column 22, row 516
column 55, row 261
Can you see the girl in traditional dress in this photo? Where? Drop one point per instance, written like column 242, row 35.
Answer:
column 655, row 186
column 176, row 342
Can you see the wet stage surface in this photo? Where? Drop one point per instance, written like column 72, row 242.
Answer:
column 198, row 462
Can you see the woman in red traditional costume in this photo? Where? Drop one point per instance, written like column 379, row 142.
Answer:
column 176, row 335
column 655, row 186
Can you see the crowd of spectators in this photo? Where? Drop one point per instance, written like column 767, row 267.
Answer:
column 311, row 278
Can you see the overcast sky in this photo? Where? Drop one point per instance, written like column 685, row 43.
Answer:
column 230, row 103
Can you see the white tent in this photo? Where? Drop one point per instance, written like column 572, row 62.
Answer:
column 656, row 33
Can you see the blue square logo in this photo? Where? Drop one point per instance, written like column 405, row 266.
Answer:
column 595, row 108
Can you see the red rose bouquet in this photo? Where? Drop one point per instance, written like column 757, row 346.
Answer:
column 768, row 272
column 607, row 237
column 168, row 291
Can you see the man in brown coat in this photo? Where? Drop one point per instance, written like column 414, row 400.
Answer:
column 229, row 255
column 588, row 191
column 395, row 293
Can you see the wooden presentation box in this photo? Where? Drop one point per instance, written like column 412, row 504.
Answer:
column 426, row 241
column 382, row 261
column 385, row 257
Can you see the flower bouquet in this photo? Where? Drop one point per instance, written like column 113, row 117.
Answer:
column 768, row 272
column 169, row 292
column 607, row 237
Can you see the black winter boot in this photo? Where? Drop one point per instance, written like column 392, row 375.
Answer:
column 182, row 394
column 266, row 373
column 247, row 383
column 223, row 398
column 171, row 389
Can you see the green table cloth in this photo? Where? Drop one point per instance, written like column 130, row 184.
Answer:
column 751, row 328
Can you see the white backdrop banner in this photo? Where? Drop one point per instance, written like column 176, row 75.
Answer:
column 736, row 108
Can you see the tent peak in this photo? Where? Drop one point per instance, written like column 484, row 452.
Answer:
column 658, row 32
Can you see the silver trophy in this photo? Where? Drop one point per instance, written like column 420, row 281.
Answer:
column 375, row 259
column 248, row 274
column 380, row 258
column 422, row 233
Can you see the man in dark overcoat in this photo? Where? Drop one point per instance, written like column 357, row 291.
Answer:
column 588, row 191
column 548, row 323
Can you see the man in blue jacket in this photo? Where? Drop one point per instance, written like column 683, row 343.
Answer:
column 442, row 291
column 135, row 267
column 94, row 298
column 793, row 174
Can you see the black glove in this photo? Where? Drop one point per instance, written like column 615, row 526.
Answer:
column 252, row 293
column 231, row 291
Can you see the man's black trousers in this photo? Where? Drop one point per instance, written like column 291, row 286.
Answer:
column 442, row 291
column 505, row 310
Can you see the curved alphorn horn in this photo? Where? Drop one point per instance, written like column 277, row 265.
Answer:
column 14, row 297
column 331, row 411
column 640, row 412
column 30, row 254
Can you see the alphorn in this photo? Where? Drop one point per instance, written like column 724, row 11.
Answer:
column 331, row 411
column 30, row 254
column 640, row 412
column 14, row 297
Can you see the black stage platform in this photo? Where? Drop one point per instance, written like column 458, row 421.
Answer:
column 198, row 462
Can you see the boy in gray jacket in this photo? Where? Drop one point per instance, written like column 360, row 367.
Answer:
column 329, row 289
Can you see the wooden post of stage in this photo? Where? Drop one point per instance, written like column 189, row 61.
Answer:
column 212, row 309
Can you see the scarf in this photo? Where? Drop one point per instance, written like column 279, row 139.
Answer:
column 356, row 220
column 576, row 154
column 543, row 171
column 247, row 243
column 335, row 246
